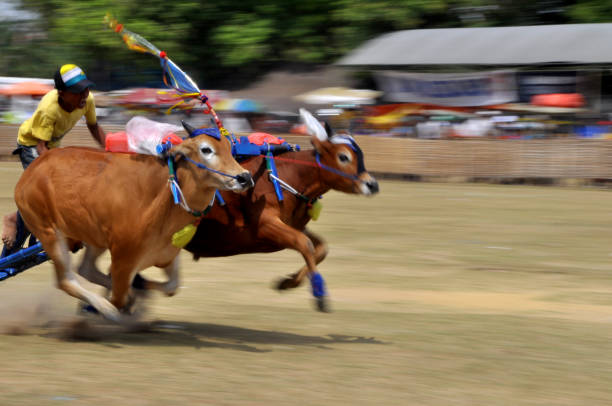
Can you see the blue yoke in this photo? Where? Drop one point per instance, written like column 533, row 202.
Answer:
column 244, row 150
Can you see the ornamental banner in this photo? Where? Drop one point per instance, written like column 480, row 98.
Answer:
column 455, row 89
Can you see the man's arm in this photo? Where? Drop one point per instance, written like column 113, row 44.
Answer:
column 41, row 147
column 98, row 133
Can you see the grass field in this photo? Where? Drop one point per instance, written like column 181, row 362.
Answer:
column 442, row 294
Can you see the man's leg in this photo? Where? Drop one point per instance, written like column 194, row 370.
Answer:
column 9, row 230
column 14, row 231
column 15, row 241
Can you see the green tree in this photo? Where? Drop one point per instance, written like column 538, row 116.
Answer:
column 226, row 43
column 591, row 11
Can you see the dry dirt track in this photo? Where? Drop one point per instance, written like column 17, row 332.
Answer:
column 443, row 294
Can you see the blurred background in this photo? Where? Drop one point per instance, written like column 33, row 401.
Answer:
column 409, row 70
column 444, row 293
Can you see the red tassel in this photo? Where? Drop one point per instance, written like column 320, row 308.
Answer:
column 163, row 54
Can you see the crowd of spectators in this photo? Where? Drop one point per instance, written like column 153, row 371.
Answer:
column 386, row 120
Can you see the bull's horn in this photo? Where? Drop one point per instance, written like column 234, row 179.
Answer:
column 189, row 128
column 328, row 130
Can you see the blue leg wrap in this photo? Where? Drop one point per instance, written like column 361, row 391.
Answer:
column 87, row 308
column 318, row 285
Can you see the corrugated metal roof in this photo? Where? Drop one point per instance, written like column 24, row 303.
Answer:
column 521, row 45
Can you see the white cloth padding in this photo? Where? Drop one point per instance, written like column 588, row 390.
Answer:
column 144, row 135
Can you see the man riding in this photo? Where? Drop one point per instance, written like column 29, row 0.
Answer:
column 56, row 114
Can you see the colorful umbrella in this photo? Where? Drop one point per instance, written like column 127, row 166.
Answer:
column 331, row 95
column 148, row 96
column 29, row 88
column 238, row 105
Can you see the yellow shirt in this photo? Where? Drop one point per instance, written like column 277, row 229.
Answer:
column 50, row 122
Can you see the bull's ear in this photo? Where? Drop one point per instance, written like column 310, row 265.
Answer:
column 316, row 143
column 313, row 126
column 177, row 152
column 322, row 147
column 189, row 128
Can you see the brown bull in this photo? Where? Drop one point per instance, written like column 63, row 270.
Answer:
column 256, row 221
column 122, row 203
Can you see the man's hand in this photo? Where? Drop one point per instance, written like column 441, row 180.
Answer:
column 41, row 147
column 97, row 133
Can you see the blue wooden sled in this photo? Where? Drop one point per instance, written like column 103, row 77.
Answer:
column 21, row 260
column 17, row 259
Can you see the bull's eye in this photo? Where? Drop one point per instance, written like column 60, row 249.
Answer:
column 343, row 158
column 206, row 150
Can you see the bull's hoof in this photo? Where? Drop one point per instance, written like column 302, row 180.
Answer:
column 134, row 303
column 322, row 304
column 285, row 283
column 86, row 308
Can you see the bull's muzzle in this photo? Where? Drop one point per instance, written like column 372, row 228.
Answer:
column 245, row 180
column 368, row 185
column 372, row 186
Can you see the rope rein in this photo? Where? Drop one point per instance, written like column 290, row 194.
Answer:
column 284, row 185
column 183, row 202
column 293, row 191
column 202, row 166
column 177, row 192
column 318, row 164
column 334, row 170
column 179, row 197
